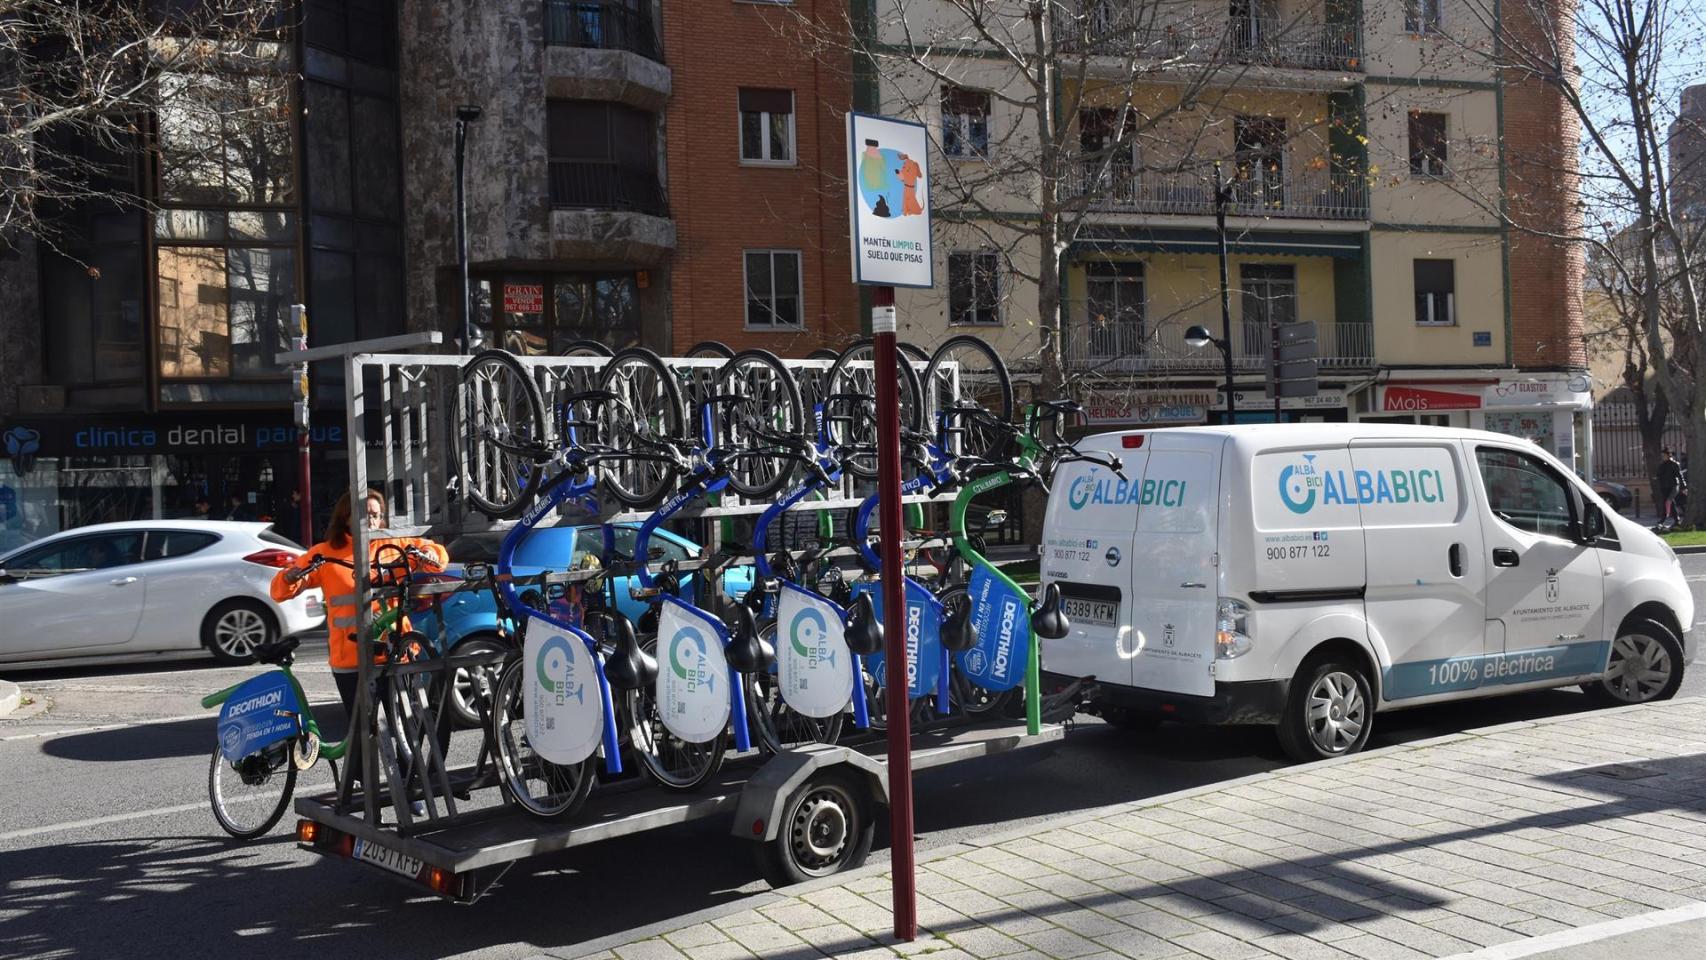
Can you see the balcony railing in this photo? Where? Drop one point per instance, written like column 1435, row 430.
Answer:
column 1112, row 348
column 1131, row 31
column 603, row 25
column 1310, row 194
column 579, row 184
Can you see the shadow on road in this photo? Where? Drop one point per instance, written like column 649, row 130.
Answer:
column 161, row 741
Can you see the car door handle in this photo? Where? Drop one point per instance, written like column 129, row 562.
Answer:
column 121, row 581
column 1505, row 557
column 1193, row 585
column 1454, row 559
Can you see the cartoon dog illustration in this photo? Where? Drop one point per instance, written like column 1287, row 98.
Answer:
column 909, row 174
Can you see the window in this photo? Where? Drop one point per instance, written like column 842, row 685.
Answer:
column 1115, row 290
column 80, row 553
column 965, row 122
column 170, row 544
column 1422, row 16
column 1435, row 293
column 1259, row 161
column 542, row 313
column 974, row 288
column 224, row 311
column 1427, row 144
column 603, row 156
column 773, row 288
column 1525, row 493
column 590, row 540
column 225, row 137
column 766, row 125
column 1270, row 300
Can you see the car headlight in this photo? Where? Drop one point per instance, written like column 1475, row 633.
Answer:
column 1232, row 630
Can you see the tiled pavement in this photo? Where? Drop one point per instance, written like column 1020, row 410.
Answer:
column 1426, row 850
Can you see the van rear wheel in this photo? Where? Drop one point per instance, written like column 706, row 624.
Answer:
column 1645, row 667
column 1329, row 712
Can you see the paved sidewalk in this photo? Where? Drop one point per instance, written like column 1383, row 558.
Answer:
column 1435, row 849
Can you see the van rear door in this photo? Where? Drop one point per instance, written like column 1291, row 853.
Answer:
column 1174, row 564
column 1087, row 550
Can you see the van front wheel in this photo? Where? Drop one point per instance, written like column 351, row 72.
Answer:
column 1329, row 713
column 1645, row 666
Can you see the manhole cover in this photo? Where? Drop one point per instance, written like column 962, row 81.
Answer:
column 1627, row 771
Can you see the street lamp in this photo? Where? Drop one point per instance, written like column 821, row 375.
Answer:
column 465, row 114
column 1197, row 337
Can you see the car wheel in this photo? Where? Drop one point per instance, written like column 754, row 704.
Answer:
column 233, row 630
column 1645, row 666
column 470, row 686
column 1329, row 712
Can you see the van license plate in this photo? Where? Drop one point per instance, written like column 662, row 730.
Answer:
column 1099, row 613
column 386, row 858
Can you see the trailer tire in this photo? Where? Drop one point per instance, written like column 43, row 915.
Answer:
column 826, row 828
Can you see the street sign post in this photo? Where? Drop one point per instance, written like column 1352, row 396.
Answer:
column 1294, row 371
column 888, row 196
column 299, row 406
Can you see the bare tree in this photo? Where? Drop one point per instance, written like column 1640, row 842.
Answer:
column 1114, row 103
column 80, row 81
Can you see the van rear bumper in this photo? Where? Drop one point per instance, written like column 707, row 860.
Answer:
column 1245, row 702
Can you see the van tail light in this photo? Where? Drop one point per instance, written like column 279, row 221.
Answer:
column 272, row 558
column 1132, row 441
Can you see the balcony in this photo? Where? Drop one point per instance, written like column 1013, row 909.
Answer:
column 602, row 25
column 1121, row 31
column 594, row 185
column 1114, row 348
column 605, row 50
column 1305, row 195
column 606, row 211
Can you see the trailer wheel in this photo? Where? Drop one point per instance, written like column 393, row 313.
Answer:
column 826, row 828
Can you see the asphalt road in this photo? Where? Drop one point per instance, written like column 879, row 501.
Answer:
column 107, row 847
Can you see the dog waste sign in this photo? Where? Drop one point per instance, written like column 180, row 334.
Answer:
column 888, row 191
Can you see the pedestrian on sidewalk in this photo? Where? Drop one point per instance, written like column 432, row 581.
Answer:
column 1673, row 484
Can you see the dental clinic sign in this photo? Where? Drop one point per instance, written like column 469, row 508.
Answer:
column 888, row 193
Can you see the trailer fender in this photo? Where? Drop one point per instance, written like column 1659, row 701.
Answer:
column 761, row 800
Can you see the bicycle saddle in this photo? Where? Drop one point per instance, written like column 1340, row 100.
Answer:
column 277, row 653
column 1047, row 620
column 864, row 631
column 629, row 667
column 747, row 651
column 958, row 634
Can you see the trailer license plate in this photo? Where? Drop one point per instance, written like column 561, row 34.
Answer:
column 369, row 852
column 1101, row 613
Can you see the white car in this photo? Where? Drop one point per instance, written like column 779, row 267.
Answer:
column 147, row 590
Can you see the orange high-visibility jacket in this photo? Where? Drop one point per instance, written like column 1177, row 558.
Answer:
column 337, row 584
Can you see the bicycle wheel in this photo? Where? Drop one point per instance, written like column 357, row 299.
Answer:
column 776, row 725
column 250, row 795
column 648, row 415
column 537, row 785
column 964, row 374
column 587, row 348
column 503, row 421
column 770, row 408
column 850, row 414
column 581, row 379
column 710, row 348
column 674, row 763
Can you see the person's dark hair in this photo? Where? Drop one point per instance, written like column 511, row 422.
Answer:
column 337, row 529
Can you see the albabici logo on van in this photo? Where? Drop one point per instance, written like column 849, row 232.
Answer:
column 1093, row 488
column 688, row 664
column 807, row 634
column 566, row 686
column 1301, row 485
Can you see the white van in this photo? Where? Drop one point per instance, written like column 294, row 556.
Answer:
column 1307, row 576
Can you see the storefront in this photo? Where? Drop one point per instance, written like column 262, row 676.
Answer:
column 1200, row 405
column 70, row 471
column 1548, row 409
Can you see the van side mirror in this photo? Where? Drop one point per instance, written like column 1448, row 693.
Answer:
column 1593, row 524
column 1048, row 621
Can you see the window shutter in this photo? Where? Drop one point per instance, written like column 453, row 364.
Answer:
column 755, row 100
column 957, row 100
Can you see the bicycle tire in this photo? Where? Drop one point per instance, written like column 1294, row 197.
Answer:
column 854, row 435
column 587, row 348
column 967, row 697
column 912, row 351
column 650, row 416
column 823, row 353
column 562, row 788
column 752, row 476
column 710, row 348
column 995, row 397
column 495, row 478
column 672, row 763
column 777, row 726
column 263, row 769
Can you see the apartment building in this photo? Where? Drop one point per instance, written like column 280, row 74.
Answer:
column 1374, row 157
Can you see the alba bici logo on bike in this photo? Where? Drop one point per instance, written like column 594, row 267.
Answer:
column 548, row 668
column 809, row 635
column 692, row 666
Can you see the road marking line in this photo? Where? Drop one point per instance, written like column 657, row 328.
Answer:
column 1588, row 934
column 209, row 714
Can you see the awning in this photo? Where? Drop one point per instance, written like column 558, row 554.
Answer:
column 1290, row 243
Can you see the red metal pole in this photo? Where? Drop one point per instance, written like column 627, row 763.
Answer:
column 894, row 616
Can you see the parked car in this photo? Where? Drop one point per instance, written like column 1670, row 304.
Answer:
column 148, row 589
column 471, row 621
column 1617, row 495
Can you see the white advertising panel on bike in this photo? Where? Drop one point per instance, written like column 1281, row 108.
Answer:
column 812, row 660
column 693, row 674
column 565, row 714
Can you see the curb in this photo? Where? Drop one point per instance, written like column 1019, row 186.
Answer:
column 10, row 697
column 766, row 898
column 1690, row 548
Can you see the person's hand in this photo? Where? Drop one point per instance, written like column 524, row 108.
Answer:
column 295, row 574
